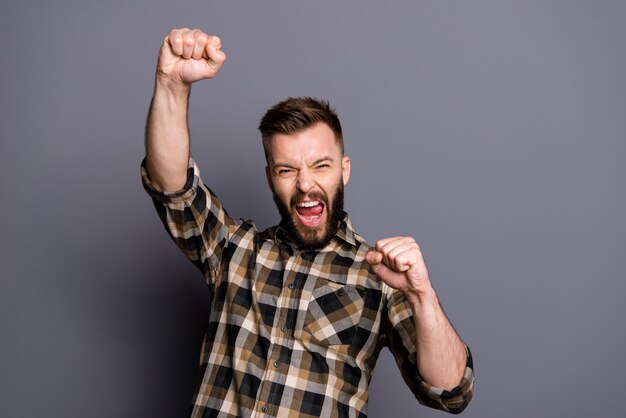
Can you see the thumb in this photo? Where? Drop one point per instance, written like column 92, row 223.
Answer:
column 373, row 258
column 166, row 57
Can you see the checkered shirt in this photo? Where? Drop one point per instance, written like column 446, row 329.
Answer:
column 291, row 333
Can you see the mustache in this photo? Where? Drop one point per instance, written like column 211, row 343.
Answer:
column 311, row 196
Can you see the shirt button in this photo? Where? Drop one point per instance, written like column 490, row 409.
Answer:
column 290, row 286
column 276, row 363
column 264, row 408
column 284, row 328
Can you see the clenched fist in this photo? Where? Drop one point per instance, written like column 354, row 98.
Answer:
column 189, row 55
column 398, row 262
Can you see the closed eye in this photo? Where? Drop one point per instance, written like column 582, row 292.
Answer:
column 323, row 163
column 285, row 171
column 322, row 166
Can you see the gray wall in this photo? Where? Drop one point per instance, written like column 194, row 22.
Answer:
column 492, row 131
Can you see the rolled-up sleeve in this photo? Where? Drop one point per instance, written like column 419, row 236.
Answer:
column 195, row 219
column 400, row 336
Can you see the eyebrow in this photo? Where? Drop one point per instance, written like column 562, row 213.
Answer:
column 316, row 162
column 321, row 160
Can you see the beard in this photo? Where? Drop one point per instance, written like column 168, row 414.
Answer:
column 312, row 238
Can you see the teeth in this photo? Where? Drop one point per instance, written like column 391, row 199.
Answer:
column 308, row 204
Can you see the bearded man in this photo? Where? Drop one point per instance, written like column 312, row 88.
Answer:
column 301, row 310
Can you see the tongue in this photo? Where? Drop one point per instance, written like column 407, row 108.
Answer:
column 312, row 211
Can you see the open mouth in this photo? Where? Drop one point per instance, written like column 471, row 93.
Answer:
column 310, row 212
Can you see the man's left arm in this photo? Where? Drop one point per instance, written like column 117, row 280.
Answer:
column 441, row 355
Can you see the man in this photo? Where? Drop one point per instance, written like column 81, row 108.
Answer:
column 301, row 310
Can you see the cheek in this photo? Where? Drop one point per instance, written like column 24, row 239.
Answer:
column 332, row 183
column 282, row 192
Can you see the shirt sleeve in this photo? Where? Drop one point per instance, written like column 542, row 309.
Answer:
column 400, row 335
column 195, row 219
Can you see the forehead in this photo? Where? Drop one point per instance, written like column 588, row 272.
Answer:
column 306, row 146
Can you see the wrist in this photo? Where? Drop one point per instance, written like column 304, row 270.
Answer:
column 166, row 85
column 422, row 298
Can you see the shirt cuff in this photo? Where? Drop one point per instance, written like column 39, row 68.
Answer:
column 456, row 399
column 182, row 195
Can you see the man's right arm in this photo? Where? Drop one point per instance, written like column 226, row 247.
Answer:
column 190, row 212
column 186, row 56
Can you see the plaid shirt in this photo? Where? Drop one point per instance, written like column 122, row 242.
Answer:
column 291, row 333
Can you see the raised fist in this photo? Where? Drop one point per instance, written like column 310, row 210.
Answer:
column 189, row 55
column 398, row 262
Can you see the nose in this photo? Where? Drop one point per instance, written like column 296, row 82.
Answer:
column 305, row 181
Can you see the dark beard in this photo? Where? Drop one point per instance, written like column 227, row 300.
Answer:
column 309, row 240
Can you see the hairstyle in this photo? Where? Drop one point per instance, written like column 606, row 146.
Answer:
column 295, row 115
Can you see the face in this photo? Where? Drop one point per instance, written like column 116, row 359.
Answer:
column 306, row 173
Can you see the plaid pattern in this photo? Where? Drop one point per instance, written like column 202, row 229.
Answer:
column 291, row 333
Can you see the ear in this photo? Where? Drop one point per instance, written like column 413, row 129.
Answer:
column 268, row 176
column 345, row 169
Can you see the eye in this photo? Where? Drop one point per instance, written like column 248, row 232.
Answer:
column 284, row 172
column 322, row 166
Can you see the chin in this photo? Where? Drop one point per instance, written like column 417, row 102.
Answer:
column 312, row 239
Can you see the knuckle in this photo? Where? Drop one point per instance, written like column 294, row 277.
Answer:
column 173, row 35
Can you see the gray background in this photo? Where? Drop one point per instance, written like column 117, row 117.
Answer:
column 492, row 131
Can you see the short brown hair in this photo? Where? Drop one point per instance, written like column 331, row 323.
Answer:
column 297, row 114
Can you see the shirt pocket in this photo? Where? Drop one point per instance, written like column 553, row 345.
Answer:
column 333, row 313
